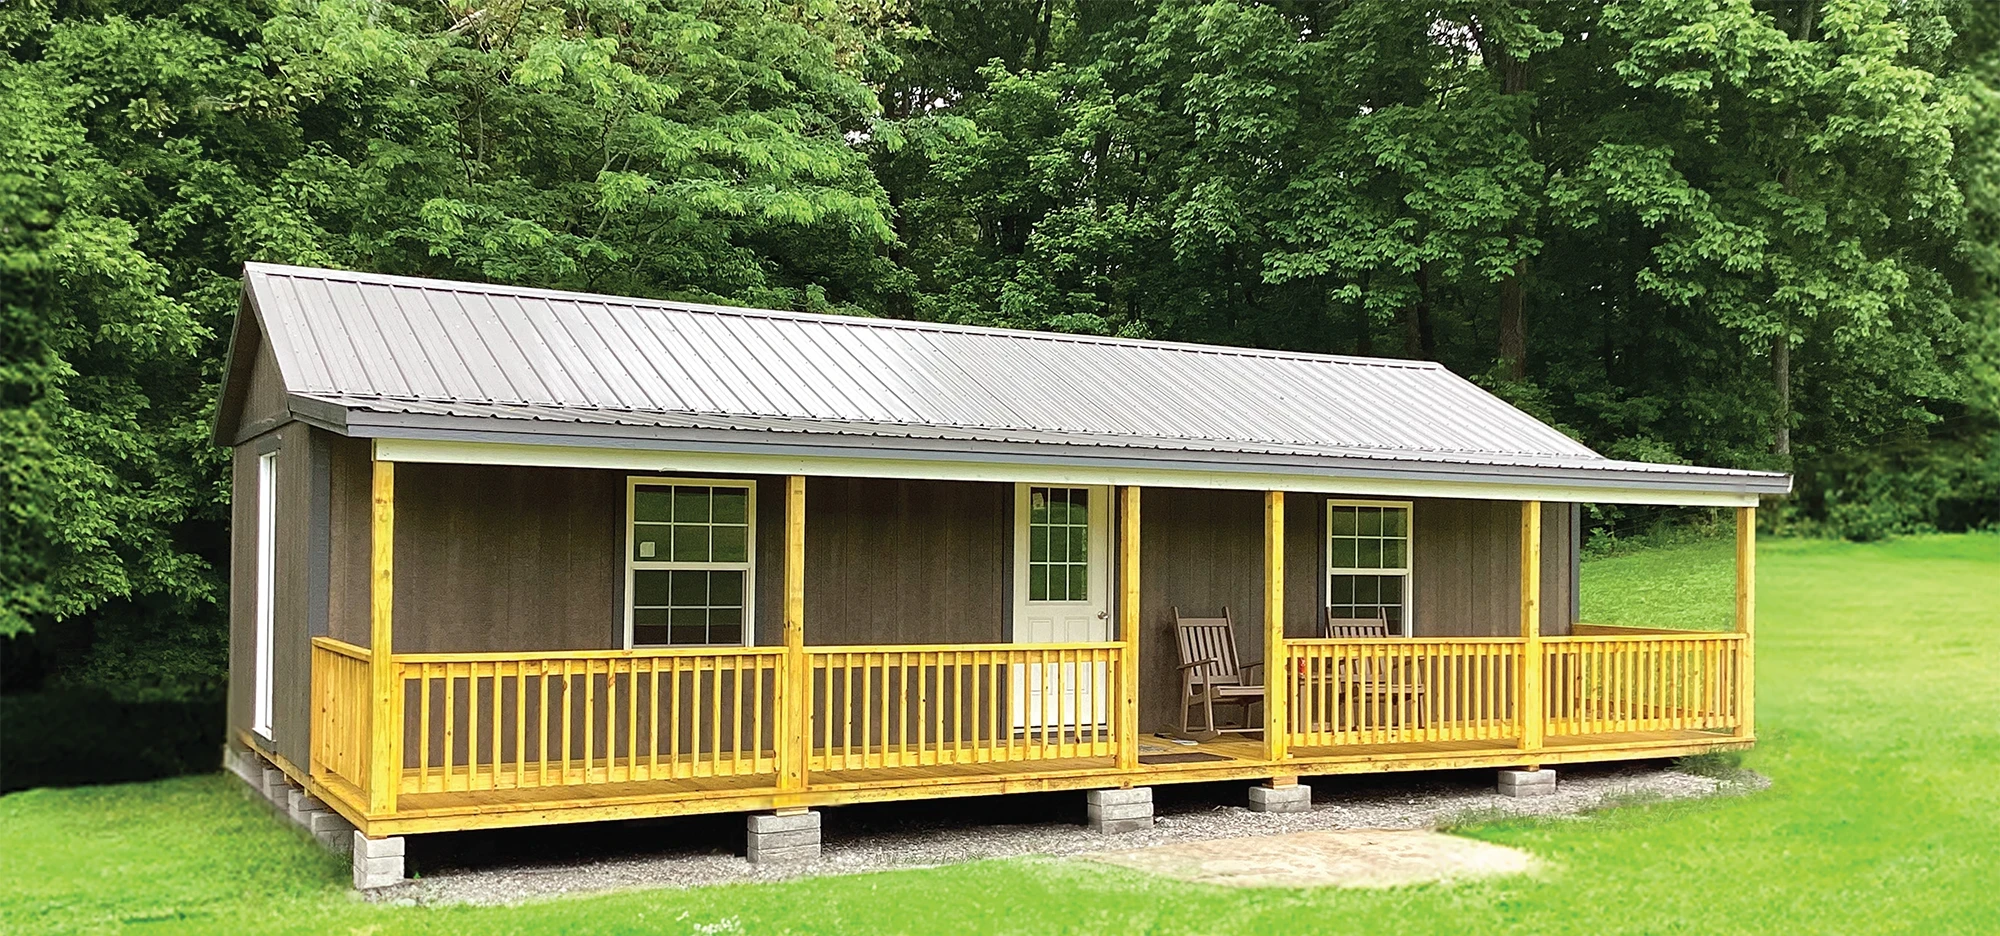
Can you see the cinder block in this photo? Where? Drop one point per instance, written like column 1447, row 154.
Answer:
column 765, row 823
column 337, row 841
column 794, row 854
column 1112, row 813
column 1522, row 783
column 772, row 839
column 276, row 787
column 303, row 806
column 1294, row 798
column 328, row 821
column 1119, row 797
column 377, row 862
column 1115, row 811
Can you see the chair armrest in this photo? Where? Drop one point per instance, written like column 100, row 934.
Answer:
column 1189, row 666
column 1246, row 669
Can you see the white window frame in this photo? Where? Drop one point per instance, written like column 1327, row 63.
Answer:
column 1407, row 571
column 748, row 568
column 265, row 626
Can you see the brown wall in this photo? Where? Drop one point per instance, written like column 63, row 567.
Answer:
column 1467, row 562
column 291, row 658
column 906, row 561
column 507, row 558
column 264, row 399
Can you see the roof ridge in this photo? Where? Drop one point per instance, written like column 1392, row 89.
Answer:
column 1025, row 334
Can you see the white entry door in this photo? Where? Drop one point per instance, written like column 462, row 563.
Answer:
column 1062, row 594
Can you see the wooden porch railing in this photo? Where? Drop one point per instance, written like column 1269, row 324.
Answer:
column 1603, row 684
column 478, row 721
column 341, row 714
column 905, row 706
column 1400, row 690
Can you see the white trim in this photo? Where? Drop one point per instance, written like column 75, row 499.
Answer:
column 749, row 568
column 1408, row 570
column 658, row 461
column 264, row 628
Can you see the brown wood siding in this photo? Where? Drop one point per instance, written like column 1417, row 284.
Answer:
column 493, row 558
column 893, row 561
column 291, row 646
column 350, row 488
column 1467, row 565
column 264, row 400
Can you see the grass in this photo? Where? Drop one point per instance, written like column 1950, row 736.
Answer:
column 1878, row 694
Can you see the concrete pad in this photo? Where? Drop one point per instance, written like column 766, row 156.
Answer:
column 1347, row 858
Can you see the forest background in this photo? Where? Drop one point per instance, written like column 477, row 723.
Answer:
column 1752, row 233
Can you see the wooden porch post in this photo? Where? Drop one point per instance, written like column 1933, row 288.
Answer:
column 1128, row 629
column 1531, row 626
column 1746, row 616
column 1276, row 686
column 385, row 759
column 795, row 737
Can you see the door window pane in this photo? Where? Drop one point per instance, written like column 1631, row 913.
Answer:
column 1058, row 544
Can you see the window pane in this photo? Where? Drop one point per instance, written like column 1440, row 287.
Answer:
column 688, row 636
column 1038, row 583
column 1079, row 506
column 1343, row 553
column 1079, row 544
column 690, row 588
column 649, row 587
column 1038, row 544
column 1370, row 519
column 652, row 504
column 1079, row 583
column 1059, row 543
column 1395, row 521
column 732, row 544
column 1392, row 554
column 725, row 589
column 690, row 543
column 691, row 504
column 649, row 617
column 725, row 634
column 1342, row 590
column 1343, row 521
column 1369, row 554
column 649, row 541
column 1038, row 506
column 732, row 505
column 648, row 635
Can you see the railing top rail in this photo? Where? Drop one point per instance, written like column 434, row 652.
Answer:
column 1679, row 637
column 639, row 653
column 827, row 650
column 1400, row 641
column 341, row 647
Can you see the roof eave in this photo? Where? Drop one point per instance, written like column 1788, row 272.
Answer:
column 813, row 445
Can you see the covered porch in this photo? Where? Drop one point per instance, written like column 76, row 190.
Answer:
column 405, row 742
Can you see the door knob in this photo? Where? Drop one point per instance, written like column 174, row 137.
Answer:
column 1102, row 615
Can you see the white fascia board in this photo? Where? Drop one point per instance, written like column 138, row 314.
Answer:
column 701, row 462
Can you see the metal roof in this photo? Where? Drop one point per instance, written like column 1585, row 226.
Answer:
column 378, row 355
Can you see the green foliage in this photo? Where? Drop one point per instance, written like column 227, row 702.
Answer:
column 1675, row 200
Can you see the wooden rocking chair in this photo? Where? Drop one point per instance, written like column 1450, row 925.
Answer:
column 1210, row 673
column 1387, row 687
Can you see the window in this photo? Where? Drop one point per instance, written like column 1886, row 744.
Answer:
column 1058, row 544
column 267, row 561
column 688, row 567
column 1368, row 561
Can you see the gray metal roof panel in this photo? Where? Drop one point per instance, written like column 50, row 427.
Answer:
column 399, row 344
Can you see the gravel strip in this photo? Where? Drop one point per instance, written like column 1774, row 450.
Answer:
column 860, row 839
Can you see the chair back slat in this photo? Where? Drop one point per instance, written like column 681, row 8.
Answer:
column 1338, row 627
column 1211, row 642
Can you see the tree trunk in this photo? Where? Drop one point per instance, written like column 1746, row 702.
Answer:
column 1514, row 322
column 1781, row 377
column 1419, row 340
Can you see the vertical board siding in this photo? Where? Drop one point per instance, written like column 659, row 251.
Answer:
column 503, row 558
column 900, row 562
column 1466, row 562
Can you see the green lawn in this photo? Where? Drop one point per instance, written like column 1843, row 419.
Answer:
column 1879, row 704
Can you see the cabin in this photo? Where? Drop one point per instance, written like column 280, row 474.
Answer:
column 505, row 557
